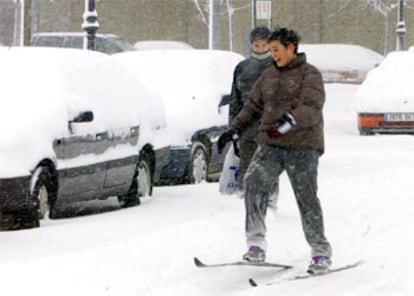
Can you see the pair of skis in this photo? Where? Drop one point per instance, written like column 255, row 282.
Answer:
column 282, row 267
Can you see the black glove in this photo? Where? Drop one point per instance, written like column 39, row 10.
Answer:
column 227, row 136
column 282, row 126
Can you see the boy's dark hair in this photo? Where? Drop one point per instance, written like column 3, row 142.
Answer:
column 259, row 33
column 286, row 36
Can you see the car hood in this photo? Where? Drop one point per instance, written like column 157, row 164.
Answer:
column 389, row 87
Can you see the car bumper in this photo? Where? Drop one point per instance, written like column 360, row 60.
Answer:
column 14, row 193
column 372, row 123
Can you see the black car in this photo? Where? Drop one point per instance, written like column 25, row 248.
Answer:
column 191, row 83
column 206, row 163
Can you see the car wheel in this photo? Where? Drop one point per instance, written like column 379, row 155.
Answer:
column 198, row 167
column 141, row 184
column 144, row 177
column 41, row 193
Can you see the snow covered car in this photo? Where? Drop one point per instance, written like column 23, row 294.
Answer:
column 341, row 63
column 76, row 126
column 106, row 43
column 385, row 101
column 191, row 83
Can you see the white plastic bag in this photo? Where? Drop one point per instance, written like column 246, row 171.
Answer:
column 228, row 179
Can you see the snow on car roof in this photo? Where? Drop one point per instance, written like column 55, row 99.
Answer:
column 389, row 87
column 191, row 83
column 341, row 63
column 43, row 88
column 341, row 56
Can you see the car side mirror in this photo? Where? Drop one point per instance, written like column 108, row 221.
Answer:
column 86, row 116
column 225, row 100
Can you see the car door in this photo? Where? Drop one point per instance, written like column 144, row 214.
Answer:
column 121, row 167
column 82, row 164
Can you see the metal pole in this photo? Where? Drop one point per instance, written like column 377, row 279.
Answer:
column 387, row 32
column 230, row 13
column 211, row 24
column 400, row 26
column 269, row 22
column 22, row 22
column 90, row 25
column 253, row 14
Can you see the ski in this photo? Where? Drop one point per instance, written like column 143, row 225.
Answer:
column 198, row 263
column 254, row 283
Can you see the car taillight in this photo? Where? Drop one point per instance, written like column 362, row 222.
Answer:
column 367, row 120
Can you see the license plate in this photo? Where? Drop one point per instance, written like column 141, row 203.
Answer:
column 399, row 117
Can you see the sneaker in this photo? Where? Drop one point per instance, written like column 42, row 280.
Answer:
column 319, row 264
column 255, row 254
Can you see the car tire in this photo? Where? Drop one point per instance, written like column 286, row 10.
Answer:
column 198, row 167
column 42, row 196
column 141, row 184
column 144, row 176
column 365, row 133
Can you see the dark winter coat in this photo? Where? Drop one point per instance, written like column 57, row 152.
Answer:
column 245, row 75
column 296, row 88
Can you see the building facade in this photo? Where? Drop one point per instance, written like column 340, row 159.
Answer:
column 317, row 21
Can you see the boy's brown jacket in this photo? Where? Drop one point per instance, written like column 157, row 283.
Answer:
column 296, row 88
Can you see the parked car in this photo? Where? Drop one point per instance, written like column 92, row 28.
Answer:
column 106, row 43
column 76, row 126
column 161, row 44
column 385, row 100
column 207, row 162
column 191, row 83
column 341, row 63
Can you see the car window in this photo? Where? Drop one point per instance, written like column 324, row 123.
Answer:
column 75, row 41
column 109, row 44
column 49, row 41
column 121, row 43
column 106, row 46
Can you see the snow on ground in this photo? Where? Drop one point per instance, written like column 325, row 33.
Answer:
column 365, row 186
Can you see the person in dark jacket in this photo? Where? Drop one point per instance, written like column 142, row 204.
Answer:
column 245, row 75
column 288, row 98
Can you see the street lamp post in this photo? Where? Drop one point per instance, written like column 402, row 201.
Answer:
column 90, row 25
column 400, row 26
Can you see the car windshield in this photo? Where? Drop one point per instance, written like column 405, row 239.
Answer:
column 122, row 43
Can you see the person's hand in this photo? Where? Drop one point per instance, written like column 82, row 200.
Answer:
column 227, row 136
column 282, row 126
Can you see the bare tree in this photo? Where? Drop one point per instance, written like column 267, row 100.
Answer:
column 204, row 9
